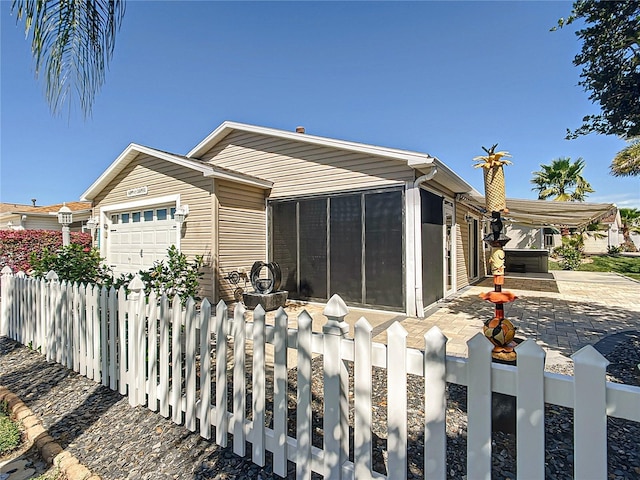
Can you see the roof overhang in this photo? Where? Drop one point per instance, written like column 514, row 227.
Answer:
column 133, row 150
column 422, row 162
column 546, row 213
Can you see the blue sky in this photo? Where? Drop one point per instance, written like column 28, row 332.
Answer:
column 444, row 78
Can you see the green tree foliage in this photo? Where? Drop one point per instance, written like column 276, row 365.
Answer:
column 72, row 41
column 562, row 181
column 627, row 162
column 630, row 218
column 73, row 263
column 610, row 61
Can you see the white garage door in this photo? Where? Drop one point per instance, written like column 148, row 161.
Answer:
column 137, row 238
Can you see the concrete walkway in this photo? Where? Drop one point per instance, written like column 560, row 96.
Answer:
column 563, row 311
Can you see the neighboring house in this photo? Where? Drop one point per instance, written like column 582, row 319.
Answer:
column 379, row 226
column 33, row 217
column 548, row 235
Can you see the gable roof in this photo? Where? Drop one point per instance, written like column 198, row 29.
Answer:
column 208, row 170
column 417, row 160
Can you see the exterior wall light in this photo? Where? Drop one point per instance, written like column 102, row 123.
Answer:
column 65, row 218
column 181, row 214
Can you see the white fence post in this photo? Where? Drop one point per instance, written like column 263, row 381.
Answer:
column 590, row 414
column 176, row 360
column 258, row 434
column 152, row 353
column 222, row 424
column 280, row 393
column 205, row 370
column 479, row 408
column 303, row 410
column 362, row 371
column 435, row 404
column 165, row 339
column 190, row 366
column 239, row 366
column 137, row 344
column 5, row 286
column 397, row 400
column 52, row 290
column 336, row 389
column 530, row 399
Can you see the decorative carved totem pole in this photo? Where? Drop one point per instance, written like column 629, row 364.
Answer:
column 499, row 330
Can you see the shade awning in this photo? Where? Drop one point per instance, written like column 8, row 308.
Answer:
column 546, row 213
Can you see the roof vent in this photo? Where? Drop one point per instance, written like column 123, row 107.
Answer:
column 299, row 129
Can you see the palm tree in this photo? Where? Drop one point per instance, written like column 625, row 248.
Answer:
column 626, row 163
column 562, row 181
column 72, row 41
column 630, row 218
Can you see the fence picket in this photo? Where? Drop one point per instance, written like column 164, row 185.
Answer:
column 190, row 366
column 258, row 383
column 530, row 398
column 106, row 341
column 397, row 400
column 176, row 360
column 303, row 415
column 152, row 352
column 590, row 414
column 239, row 380
column 362, row 456
column 165, row 339
column 123, row 347
column 479, row 408
column 222, row 425
column 81, row 333
column 110, row 321
column 205, row 370
column 435, row 404
column 280, row 393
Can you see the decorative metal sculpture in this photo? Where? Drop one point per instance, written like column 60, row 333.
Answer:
column 499, row 330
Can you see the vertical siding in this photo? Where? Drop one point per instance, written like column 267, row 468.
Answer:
column 165, row 178
column 462, row 247
column 242, row 237
column 298, row 168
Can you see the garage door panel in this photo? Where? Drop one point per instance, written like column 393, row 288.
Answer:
column 136, row 246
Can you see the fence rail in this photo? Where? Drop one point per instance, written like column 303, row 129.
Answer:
column 171, row 358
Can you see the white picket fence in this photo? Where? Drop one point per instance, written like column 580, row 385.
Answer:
column 129, row 344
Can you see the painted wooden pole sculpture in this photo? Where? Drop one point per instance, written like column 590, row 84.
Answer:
column 499, row 330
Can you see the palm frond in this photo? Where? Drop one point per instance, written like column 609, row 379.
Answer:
column 72, row 42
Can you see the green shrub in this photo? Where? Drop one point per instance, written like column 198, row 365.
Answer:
column 73, row 263
column 569, row 256
column 614, row 250
column 174, row 276
column 10, row 436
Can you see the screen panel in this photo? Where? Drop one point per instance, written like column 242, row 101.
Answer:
column 313, row 248
column 346, row 247
column 384, row 276
column 285, row 241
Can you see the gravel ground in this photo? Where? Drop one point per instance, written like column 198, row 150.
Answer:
column 117, row 441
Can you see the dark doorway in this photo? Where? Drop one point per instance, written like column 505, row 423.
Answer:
column 431, row 206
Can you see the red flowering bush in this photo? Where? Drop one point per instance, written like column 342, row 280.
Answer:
column 16, row 246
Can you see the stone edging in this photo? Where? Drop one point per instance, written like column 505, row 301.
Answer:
column 49, row 449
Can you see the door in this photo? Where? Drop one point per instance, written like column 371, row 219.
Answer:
column 474, row 255
column 449, row 249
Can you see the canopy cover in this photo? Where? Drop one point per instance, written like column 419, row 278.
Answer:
column 545, row 213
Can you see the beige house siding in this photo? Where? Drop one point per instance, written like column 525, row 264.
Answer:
column 242, row 236
column 164, row 178
column 298, row 168
column 462, row 248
